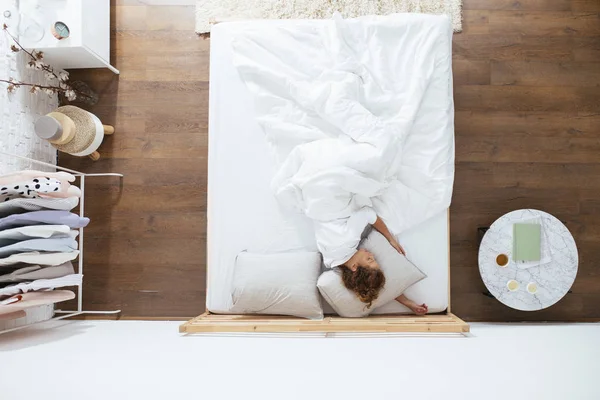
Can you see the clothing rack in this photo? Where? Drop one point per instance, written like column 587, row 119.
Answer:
column 79, row 311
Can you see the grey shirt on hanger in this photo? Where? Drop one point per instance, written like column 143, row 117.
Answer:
column 34, row 272
column 51, row 217
column 55, row 245
column 18, row 205
column 13, row 235
column 35, row 257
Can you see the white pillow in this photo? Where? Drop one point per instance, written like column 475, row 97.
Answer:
column 399, row 275
column 281, row 284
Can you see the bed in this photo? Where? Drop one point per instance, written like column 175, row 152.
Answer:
column 243, row 215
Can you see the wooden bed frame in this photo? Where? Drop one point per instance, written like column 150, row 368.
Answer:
column 212, row 323
column 433, row 323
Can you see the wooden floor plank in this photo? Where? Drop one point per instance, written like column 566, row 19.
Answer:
column 537, row 73
column 559, row 124
column 587, row 49
column 534, row 149
column 496, row 201
column 544, row 23
column 585, row 5
column 171, row 18
column 511, row 46
column 521, row 5
column 129, row 17
column 529, row 175
column 526, row 98
column 475, row 22
column 471, row 72
column 118, row 224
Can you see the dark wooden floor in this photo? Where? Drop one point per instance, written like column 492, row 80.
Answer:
column 527, row 96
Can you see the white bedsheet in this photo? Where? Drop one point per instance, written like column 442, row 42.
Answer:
column 242, row 211
column 338, row 115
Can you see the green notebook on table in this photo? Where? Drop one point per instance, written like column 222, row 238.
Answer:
column 527, row 242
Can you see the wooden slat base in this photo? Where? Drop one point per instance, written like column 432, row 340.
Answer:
column 446, row 323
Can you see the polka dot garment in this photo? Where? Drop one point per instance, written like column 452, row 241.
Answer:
column 30, row 189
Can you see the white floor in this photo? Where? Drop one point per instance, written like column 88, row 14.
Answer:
column 150, row 360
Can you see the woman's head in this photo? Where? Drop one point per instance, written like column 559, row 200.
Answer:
column 363, row 276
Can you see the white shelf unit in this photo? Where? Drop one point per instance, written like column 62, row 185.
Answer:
column 88, row 45
column 79, row 310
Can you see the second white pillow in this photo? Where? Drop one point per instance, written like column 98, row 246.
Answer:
column 280, row 284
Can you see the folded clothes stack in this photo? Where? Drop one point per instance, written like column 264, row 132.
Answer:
column 38, row 235
column 36, row 190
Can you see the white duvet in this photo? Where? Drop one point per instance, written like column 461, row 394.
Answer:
column 359, row 113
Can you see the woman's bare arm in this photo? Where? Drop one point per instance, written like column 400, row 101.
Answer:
column 383, row 229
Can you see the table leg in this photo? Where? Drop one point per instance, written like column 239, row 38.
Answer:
column 108, row 130
column 481, row 232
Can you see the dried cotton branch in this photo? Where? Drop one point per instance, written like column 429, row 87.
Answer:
column 62, row 85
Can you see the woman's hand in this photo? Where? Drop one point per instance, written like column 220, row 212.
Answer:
column 397, row 246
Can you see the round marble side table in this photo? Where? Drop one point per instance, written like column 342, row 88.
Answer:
column 553, row 275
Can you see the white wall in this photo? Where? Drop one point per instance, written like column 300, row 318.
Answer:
column 150, row 360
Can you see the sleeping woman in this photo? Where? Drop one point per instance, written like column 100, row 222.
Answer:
column 361, row 273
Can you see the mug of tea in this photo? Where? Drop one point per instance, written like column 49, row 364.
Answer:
column 502, row 260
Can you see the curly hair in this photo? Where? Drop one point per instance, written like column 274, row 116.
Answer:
column 365, row 282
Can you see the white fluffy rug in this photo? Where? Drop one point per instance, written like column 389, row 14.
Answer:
column 209, row 12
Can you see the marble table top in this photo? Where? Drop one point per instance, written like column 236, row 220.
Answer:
column 553, row 275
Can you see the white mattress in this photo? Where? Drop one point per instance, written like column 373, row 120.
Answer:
column 242, row 212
